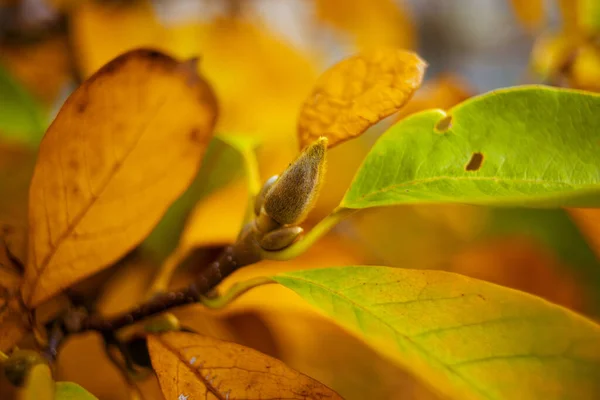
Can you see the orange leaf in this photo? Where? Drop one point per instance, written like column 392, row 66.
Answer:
column 383, row 22
column 530, row 13
column 199, row 366
column 124, row 146
column 357, row 93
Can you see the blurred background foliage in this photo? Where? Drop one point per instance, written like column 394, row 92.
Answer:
column 263, row 57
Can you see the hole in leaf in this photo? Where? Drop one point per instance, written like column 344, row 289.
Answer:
column 444, row 124
column 475, row 162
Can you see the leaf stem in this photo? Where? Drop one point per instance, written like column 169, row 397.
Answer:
column 317, row 232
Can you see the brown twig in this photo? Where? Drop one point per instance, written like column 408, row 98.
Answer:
column 244, row 252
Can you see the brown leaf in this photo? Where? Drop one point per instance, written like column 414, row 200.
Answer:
column 357, row 93
column 195, row 367
column 124, row 146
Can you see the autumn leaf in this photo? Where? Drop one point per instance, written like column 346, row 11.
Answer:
column 194, row 366
column 95, row 194
column 465, row 337
column 478, row 153
column 369, row 22
column 529, row 12
column 357, row 93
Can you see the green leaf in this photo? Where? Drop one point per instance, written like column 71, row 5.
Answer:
column 21, row 118
column 224, row 161
column 465, row 337
column 72, row 391
column 529, row 146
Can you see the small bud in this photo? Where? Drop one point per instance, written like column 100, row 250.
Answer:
column 292, row 196
column 18, row 365
column 280, row 238
column 163, row 323
column 260, row 199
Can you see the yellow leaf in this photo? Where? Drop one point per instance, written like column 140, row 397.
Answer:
column 588, row 220
column 194, row 366
column 530, row 13
column 357, row 93
column 124, row 146
column 585, row 70
column 310, row 344
column 217, row 219
column 369, row 22
column 39, row 384
column 83, row 359
column 103, row 30
column 551, row 53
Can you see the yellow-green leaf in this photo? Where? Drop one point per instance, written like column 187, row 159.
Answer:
column 357, row 93
column 526, row 146
column 39, row 384
column 72, row 391
column 123, row 147
column 194, row 366
column 466, row 337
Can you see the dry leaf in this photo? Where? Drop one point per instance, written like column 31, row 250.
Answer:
column 357, row 93
column 588, row 221
column 124, row 146
column 195, row 367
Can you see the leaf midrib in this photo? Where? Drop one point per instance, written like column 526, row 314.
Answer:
column 392, row 187
column 77, row 219
column 408, row 339
column 176, row 353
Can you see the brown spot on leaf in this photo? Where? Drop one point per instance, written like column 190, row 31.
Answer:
column 81, row 106
column 444, row 124
column 73, row 164
column 475, row 162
